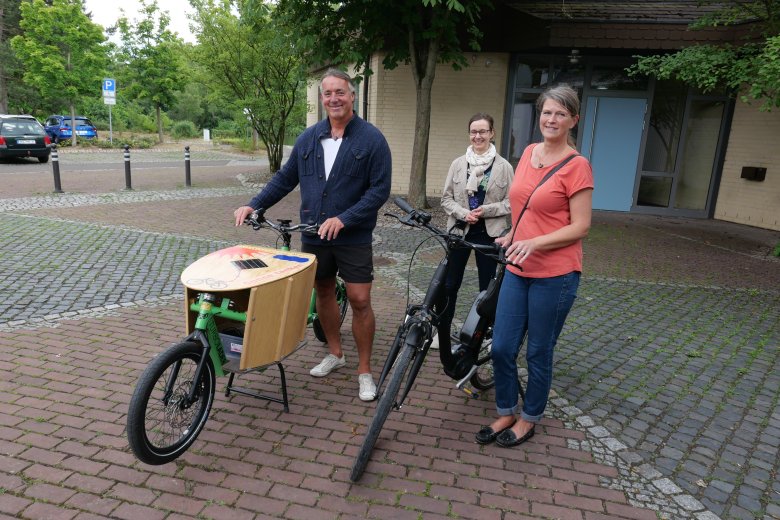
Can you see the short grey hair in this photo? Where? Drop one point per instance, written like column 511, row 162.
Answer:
column 338, row 73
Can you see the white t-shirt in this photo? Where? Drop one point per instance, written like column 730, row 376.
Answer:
column 331, row 148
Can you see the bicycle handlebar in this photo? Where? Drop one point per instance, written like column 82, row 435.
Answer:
column 421, row 219
column 257, row 220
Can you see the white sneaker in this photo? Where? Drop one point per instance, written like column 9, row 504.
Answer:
column 367, row 387
column 328, row 365
column 435, row 342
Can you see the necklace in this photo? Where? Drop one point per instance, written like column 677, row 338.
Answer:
column 539, row 160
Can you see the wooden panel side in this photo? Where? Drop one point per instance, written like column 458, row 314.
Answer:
column 263, row 324
column 298, row 310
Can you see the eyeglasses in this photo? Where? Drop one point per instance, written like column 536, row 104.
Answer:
column 478, row 132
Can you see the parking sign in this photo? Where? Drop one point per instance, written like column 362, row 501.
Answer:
column 109, row 88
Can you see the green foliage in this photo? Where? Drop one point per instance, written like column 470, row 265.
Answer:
column 421, row 33
column 62, row 50
column 153, row 58
column 406, row 30
column 776, row 251
column 10, row 68
column 751, row 67
column 184, row 129
column 189, row 104
column 253, row 63
column 228, row 128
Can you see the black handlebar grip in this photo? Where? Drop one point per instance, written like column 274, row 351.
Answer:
column 401, row 203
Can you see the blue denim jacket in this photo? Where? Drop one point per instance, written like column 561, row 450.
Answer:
column 358, row 184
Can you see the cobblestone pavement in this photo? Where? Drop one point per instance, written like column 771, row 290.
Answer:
column 665, row 393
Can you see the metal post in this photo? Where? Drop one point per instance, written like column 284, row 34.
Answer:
column 187, row 179
column 55, row 166
column 128, row 184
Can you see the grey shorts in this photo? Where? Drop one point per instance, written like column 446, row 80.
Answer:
column 354, row 264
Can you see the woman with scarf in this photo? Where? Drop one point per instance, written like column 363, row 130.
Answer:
column 476, row 191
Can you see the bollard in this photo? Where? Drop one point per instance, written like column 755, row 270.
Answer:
column 128, row 183
column 55, row 166
column 187, row 180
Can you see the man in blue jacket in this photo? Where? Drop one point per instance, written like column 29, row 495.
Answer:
column 343, row 167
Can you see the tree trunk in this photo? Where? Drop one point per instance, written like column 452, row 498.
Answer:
column 73, row 126
column 423, row 57
column 159, row 125
column 273, row 142
column 3, row 91
column 3, row 87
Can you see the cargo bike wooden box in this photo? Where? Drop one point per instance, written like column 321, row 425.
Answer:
column 246, row 307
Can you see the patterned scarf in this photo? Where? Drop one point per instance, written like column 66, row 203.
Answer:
column 478, row 164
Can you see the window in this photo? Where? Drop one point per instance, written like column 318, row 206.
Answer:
column 614, row 77
column 532, row 73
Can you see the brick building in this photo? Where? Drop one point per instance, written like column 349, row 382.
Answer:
column 657, row 147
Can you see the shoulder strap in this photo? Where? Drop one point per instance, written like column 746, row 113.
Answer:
column 544, row 179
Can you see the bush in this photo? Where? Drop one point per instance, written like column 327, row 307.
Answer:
column 227, row 129
column 184, row 129
column 135, row 141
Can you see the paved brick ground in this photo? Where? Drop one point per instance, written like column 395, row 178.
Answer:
column 666, row 400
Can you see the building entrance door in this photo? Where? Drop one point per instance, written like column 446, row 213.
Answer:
column 611, row 139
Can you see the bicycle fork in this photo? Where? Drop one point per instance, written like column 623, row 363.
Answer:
column 206, row 333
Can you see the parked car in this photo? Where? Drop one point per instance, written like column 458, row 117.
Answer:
column 23, row 136
column 58, row 128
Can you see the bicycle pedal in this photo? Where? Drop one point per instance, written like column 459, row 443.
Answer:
column 469, row 392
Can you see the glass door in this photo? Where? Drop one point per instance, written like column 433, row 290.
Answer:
column 681, row 151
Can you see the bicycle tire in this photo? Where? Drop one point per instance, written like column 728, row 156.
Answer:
column 341, row 298
column 385, row 403
column 483, row 378
column 159, row 432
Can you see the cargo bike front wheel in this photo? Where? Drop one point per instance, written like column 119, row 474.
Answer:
column 169, row 408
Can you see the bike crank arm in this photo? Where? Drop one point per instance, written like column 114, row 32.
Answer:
column 462, row 383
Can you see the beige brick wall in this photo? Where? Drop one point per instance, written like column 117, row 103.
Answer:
column 457, row 95
column 753, row 142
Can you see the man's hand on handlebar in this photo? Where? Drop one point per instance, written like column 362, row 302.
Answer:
column 242, row 213
column 330, row 228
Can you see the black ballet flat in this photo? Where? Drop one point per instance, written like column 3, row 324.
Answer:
column 508, row 439
column 487, row 435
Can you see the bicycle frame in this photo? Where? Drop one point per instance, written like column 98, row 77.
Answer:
column 416, row 331
column 206, row 332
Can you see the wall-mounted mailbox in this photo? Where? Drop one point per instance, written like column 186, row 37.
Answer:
column 753, row 173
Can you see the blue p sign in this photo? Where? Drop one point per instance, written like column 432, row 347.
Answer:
column 109, row 88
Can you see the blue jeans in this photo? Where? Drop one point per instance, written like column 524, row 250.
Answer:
column 537, row 306
column 486, row 270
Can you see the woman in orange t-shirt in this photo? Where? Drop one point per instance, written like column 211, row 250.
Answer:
column 545, row 251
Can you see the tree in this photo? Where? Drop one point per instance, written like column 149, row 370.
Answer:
column 750, row 66
column 255, row 63
column 9, row 27
column 421, row 33
column 152, row 57
column 62, row 50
